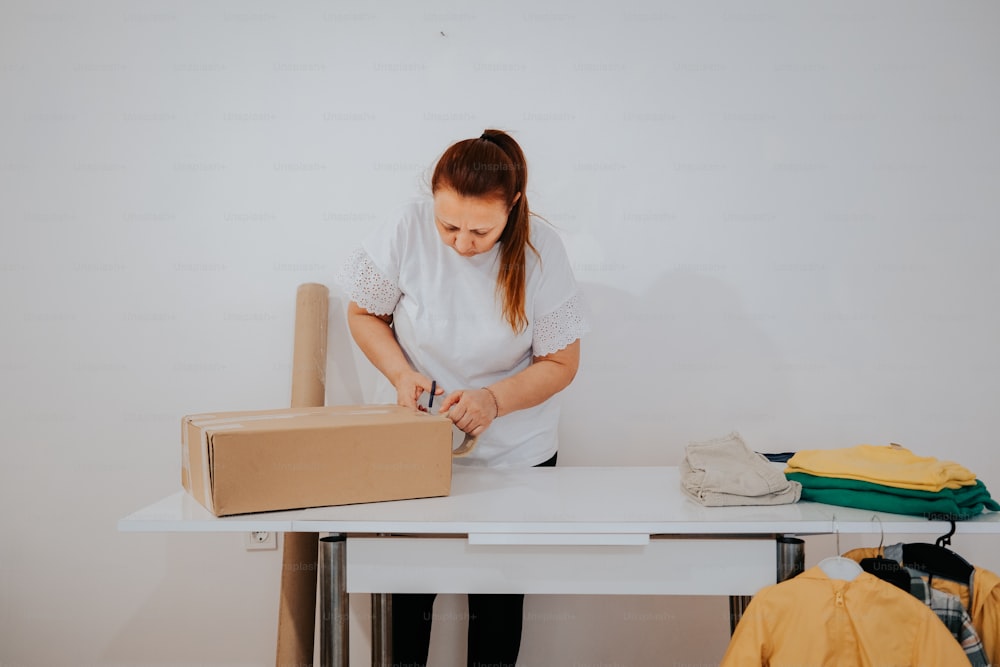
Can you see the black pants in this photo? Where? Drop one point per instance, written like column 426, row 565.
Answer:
column 494, row 625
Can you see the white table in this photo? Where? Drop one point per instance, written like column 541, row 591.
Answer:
column 585, row 530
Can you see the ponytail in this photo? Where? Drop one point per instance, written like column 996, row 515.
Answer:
column 494, row 166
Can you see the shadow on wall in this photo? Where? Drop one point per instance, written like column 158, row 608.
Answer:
column 683, row 361
column 182, row 621
column 343, row 379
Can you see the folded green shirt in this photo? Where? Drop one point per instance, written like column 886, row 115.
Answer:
column 961, row 503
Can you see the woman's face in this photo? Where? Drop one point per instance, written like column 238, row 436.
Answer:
column 469, row 225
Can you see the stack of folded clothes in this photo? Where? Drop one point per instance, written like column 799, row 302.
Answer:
column 724, row 471
column 889, row 479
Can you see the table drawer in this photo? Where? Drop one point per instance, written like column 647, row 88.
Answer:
column 685, row 566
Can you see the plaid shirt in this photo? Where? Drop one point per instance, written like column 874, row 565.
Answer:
column 951, row 612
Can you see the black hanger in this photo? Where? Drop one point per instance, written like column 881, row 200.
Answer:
column 937, row 560
column 889, row 570
column 884, row 568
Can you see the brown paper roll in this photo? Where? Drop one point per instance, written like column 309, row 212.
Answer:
column 312, row 303
column 300, row 559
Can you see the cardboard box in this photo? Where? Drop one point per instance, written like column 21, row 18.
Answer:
column 266, row 460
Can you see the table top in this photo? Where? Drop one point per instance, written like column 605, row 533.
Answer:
column 565, row 500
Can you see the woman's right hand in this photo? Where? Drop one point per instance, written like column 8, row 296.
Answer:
column 410, row 385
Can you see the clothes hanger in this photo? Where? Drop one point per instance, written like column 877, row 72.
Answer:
column 937, row 560
column 838, row 567
column 884, row 568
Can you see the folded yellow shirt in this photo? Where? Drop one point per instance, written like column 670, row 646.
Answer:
column 889, row 465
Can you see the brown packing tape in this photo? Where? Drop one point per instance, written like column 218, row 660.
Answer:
column 300, row 559
column 192, row 463
column 468, row 444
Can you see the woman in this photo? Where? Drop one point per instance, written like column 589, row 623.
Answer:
column 467, row 290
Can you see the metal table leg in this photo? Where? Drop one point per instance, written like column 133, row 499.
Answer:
column 791, row 557
column 791, row 561
column 381, row 629
column 737, row 605
column 335, row 612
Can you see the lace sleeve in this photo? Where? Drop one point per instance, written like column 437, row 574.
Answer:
column 366, row 286
column 561, row 327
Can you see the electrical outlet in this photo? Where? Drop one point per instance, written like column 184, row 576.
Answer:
column 262, row 540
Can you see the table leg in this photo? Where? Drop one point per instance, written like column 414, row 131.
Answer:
column 335, row 612
column 790, row 562
column 737, row 605
column 381, row 629
column 791, row 557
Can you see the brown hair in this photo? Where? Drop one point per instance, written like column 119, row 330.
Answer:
column 493, row 166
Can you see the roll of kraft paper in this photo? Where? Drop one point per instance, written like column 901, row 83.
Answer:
column 297, row 610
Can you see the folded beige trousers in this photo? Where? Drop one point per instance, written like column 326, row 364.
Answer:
column 724, row 471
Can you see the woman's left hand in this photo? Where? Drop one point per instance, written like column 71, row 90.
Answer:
column 472, row 410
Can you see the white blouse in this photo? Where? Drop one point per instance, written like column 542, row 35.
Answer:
column 448, row 319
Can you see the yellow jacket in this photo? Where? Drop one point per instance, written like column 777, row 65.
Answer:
column 890, row 465
column 982, row 600
column 814, row 621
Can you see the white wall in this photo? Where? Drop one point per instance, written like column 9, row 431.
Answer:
column 784, row 215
